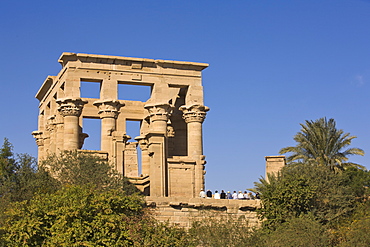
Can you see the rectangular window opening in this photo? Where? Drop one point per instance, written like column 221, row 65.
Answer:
column 134, row 92
column 92, row 127
column 90, row 89
column 133, row 130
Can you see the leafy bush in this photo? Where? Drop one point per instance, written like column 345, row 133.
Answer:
column 228, row 231
column 297, row 232
column 77, row 168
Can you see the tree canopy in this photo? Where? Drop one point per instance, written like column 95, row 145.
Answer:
column 86, row 216
column 320, row 142
column 78, row 168
column 310, row 185
column 308, row 203
column 317, row 190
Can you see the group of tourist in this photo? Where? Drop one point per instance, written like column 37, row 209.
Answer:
column 228, row 195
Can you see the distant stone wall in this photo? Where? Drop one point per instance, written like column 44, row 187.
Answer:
column 182, row 212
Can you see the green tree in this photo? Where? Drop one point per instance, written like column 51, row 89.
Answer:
column 354, row 230
column 7, row 168
column 283, row 197
column 19, row 176
column 31, row 179
column 87, row 216
column 227, row 231
column 320, row 142
column 359, row 182
column 77, row 168
column 300, row 189
column 73, row 216
column 296, row 232
column 357, row 233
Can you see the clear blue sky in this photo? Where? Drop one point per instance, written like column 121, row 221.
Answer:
column 273, row 65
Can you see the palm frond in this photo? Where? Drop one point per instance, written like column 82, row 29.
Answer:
column 320, row 142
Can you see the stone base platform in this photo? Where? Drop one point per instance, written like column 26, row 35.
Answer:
column 183, row 211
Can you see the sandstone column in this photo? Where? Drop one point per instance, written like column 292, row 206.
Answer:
column 51, row 128
column 108, row 112
column 194, row 116
column 145, row 159
column 70, row 109
column 119, row 144
column 158, row 117
column 38, row 135
column 59, row 125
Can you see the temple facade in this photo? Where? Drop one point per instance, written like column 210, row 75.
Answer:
column 166, row 159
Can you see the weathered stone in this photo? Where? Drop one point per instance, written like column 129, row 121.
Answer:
column 274, row 164
column 171, row 120
column 173, row 164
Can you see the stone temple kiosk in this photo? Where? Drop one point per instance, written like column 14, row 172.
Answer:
column 170, row 140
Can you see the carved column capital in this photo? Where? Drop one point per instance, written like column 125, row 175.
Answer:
column 194, row 113
column 38, row 135
column 143, row 142
column 159, row 112
column 120, row 136
column 70, row 107
column 108, row 108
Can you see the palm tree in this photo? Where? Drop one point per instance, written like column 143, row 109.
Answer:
column 320, row 142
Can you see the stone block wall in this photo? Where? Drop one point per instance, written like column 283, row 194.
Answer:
column 182, row 212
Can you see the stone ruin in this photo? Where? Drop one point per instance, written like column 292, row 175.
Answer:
column 170, row 140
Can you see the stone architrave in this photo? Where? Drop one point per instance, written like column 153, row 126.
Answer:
column 71, row 109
